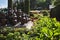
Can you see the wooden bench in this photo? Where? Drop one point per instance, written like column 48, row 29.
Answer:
column 35, row 11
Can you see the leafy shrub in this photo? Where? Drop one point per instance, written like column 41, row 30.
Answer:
column 44, row 28
column 47, row 26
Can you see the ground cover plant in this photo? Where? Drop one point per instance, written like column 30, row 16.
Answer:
column 44, row 28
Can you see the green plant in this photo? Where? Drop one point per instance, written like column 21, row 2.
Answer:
column 44, row 28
